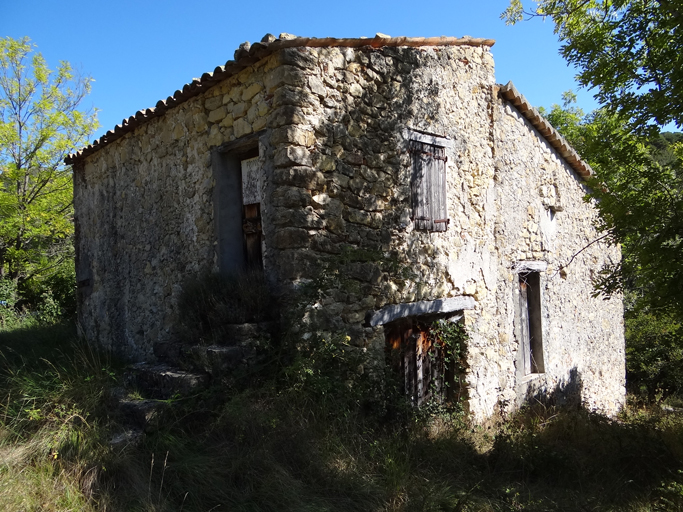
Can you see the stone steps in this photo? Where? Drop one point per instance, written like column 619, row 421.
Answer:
column 161, row 381
column 142, row 413
column 238, row 348
column 183, row 370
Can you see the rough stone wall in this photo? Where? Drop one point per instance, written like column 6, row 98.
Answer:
column 144, row 212
column 542, row 216
column 336, row 212
column 342, row 201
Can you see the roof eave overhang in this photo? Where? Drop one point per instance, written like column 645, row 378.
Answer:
column 550, row 134
column 247, row 55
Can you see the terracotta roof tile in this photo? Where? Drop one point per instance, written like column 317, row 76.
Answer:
column 557, row 141
column 246, row 55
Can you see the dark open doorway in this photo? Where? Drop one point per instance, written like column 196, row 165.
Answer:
column 237, row 198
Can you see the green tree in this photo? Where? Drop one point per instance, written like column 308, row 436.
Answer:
column 40, row 123
column 630, row 51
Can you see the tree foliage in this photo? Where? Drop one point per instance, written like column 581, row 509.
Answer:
column 630, row 51
column 40, row 123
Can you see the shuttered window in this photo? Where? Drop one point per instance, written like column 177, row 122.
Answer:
column 428, row 186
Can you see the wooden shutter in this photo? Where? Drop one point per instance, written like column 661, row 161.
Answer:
column 417, row 360
column 428, row 187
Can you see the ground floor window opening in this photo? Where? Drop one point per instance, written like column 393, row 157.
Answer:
column 426, row 365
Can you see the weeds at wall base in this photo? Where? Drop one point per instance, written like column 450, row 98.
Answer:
column 299, row 444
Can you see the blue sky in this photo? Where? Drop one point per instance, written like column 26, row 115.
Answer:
column 141, row 51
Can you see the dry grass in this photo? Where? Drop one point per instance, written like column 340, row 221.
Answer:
column 279, row 446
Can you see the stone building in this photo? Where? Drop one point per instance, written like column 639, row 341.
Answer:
column 397, row 173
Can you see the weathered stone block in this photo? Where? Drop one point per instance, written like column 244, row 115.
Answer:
column 322, row 243
column 259, row 124
column 353, row 317
column 355, row 129
column 372, row 203
column 336, row 225
column 290, row 238
column 262, row 108
column 290, row 197
column 228, row 121
column 217, row 115
column 294, row 135
column 252, row 113
column 294, row 97
column 241, row 127
column 284, row 75
column 355, row 90
column 292, row 155
column 200, row 122
column 304, row 177
column 320, row 200
column 366, row 272
column 357, row 185
column 286, row 115
column 370, row 219
column 213, row 103
column 298, row 218
column 240, row 110
column 375, row 161
column 297, row 57
column 317, row 87
column 251, row 91
column 333, row 208
column 325, row 162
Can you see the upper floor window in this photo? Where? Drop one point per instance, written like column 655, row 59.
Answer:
column 428, row 181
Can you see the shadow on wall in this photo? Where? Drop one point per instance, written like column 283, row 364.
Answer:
column 367, row 191
column 566, row 393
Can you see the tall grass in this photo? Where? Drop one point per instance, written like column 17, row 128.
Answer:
column 301, row 440
column 52, row 397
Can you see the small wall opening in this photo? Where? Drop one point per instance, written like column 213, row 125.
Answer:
column 531, row 325
column 251, row 209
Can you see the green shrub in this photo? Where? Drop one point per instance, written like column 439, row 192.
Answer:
column 328, row 369
column 46, row 300
column 52, row 297
column 654, row 353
